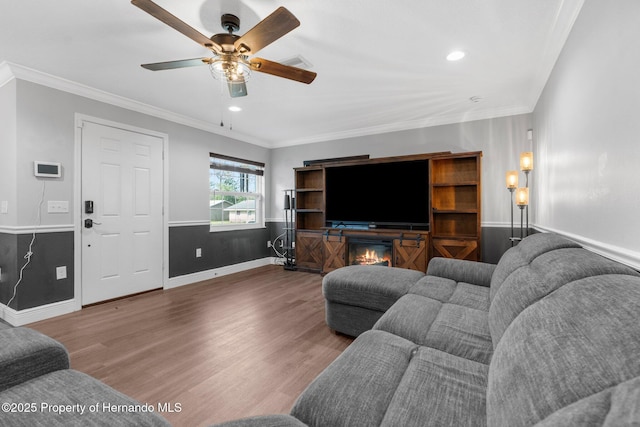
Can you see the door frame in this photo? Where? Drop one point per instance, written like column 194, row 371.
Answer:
column 79, row 121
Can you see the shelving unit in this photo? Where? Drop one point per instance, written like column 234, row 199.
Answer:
column 310, row 204
column 455, row 206
column 454, row 194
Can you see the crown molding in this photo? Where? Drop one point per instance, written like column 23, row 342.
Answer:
column 10, row 71
column 409, row 125
column 6, row 74
column 567, row 15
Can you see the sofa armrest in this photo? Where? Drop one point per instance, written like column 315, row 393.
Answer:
column 264, row 421
column 26, row 354
column 476, row 273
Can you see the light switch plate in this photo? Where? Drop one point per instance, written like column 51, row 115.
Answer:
column 58, row 206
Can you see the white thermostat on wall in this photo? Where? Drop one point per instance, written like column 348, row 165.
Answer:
column 47, row 169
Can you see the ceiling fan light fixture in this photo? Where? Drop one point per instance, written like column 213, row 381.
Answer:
column 230, row 69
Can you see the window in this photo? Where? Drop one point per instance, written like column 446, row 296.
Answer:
column 235, row 193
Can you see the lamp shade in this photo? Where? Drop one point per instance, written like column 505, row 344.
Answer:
column 526, row 161
column 512, row 180
column 522, row 196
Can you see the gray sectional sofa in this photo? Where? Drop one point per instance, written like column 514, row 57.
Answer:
column 548, row 337
column 37, row 388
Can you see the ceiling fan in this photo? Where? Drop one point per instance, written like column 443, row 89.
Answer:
column 231, row 58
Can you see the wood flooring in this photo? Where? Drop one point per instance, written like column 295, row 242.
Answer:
column 235, row 346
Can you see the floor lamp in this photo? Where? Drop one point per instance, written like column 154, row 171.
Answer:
column 526, row 166
column 522, row 200
column 521, row 194
column 512, row 185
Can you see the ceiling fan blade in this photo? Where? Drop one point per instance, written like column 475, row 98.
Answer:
column 237, row 88
column 267, row 31
column 161, row 14
column 281, row 70
column 182, row 63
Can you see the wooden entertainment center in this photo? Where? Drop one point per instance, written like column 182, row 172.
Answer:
column 454, row 217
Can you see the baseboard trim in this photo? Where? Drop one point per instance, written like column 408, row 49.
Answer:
column 35, row 314
column 616, row 253
column 188, row 279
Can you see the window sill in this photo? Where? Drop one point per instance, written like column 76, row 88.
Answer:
column 216, row 228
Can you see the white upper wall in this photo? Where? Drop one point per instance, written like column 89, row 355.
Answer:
column 588, row 133
column 501, row 140
column 8, row 152
column 46, row 131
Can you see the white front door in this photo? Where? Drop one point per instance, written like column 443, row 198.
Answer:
column 122, row 176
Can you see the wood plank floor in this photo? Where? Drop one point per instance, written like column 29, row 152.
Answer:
column 239, row 345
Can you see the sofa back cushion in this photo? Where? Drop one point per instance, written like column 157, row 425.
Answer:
column 544, row 263
column 574, row 344
column 615, row 406
column 525, row 252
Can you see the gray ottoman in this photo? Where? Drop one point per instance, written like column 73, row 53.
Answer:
column 358, row 295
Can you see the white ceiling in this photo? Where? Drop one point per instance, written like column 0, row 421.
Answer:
column 381, row 64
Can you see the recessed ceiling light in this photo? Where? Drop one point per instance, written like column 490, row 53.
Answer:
column 456, row 55
column 235, row 108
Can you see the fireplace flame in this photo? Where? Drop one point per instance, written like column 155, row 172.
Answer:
column 370, row 257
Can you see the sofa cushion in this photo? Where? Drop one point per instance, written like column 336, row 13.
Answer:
column 26, row 354
column 447, row 290
column 439, row 390
column 451, row 328
column 73, row 392
column 542, row 275
column 369, row 286
column 410, row 318
column 264, row 421
column 459, row 270
column 383, row 379
column 434, row 287
column 356, row 389
column 4, row 325
column 613, row 407
column 526, row 251
column 578, row 341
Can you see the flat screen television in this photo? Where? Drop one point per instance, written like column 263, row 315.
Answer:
column 378, row 195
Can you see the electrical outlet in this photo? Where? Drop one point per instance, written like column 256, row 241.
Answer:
column 61, row 272
column 269, row 244
column 4, row 207
column 198, row 252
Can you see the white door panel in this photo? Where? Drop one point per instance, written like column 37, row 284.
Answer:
column 122, row 174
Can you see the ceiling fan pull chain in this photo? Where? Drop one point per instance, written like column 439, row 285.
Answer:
column 221, row 104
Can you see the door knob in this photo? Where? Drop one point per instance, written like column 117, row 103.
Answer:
column 88, row 223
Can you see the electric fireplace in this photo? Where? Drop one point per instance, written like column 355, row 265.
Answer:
column 370, row 252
